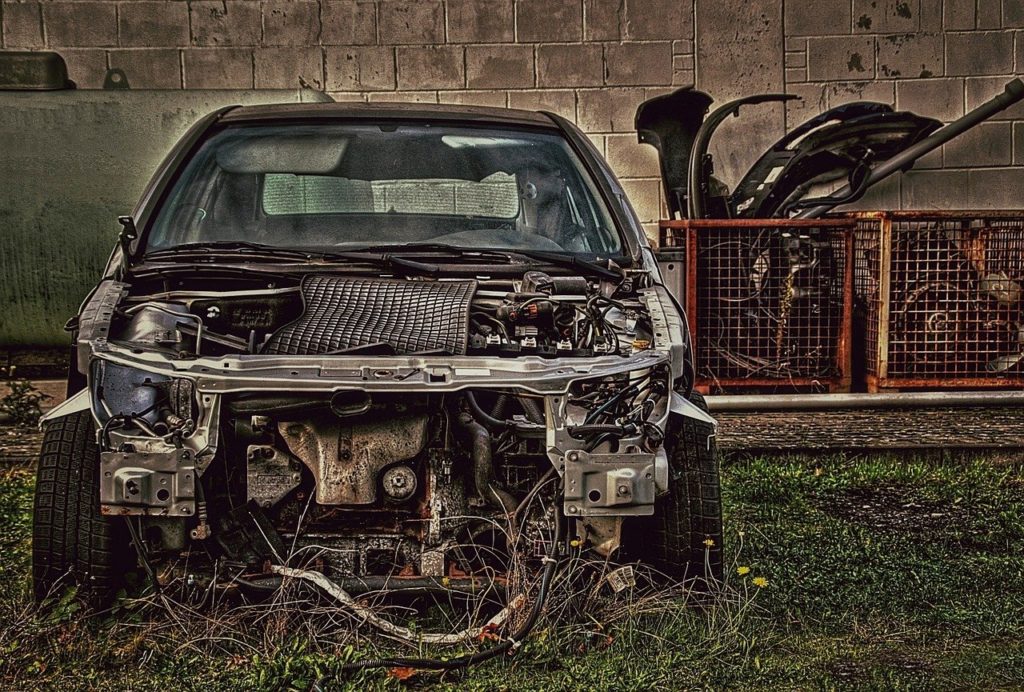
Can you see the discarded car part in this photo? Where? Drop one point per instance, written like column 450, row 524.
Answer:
column 670, row 123
column 861, row 400
column 942, row 291
column 845, row 145
column 270, row 474
column 347, row 457
column 1012, row 93
column 770, row 302
column 148, row 483
column 701, row 167
column 33, row 71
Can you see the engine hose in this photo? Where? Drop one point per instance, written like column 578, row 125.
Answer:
column 532, row 409
column 499, row 406
column 483, row 465
column 497, row 425
column 547, row 576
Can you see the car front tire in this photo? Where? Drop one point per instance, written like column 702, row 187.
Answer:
column 72, row 543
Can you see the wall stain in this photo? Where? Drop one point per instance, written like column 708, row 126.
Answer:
column 855, row 63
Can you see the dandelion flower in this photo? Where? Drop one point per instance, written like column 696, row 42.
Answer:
column 709, row 542
column 760, row 582
column 742, row 570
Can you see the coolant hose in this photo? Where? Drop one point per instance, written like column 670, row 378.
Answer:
column 498, row 425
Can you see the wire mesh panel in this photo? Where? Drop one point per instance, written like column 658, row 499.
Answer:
column 769, row 301
column 943, row 297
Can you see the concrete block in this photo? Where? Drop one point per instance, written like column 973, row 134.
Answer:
column 813, row 100
column 817, row 17
column 683, row 74
column 289, row 67
column 348, row 23
column 86, row 24
column 981, row 89
column 995, row 188
column 502, row 66
column 847, row 92
column 910, row 55
column 87, row 67
column 737, row 48
column 402, row 22
column 1013, row 13
column 225, row 22
column 988, row 144
column 549, row 20
column 989, row 14
column 958, row 14
column 934, row 190
column 481, row 21
column 149, row 68
column 796, row 75
column 796, row 59
column 682, row 47
column 887, row 16
column 1018, row 144
column 645, row 196
column 291, row 23
column 22, row 25
column 609, row 110
column 658, row 19
column 560, row 101
column 979, row 53
column 467, row 97
column 149, row 24
column 570, row 65
column 936, row 98
column 402, row 96
column 603, row 20
column 930, row 14
column 600, row 143
column 217, row 68
column 431, row 67
column 359, row 68
column 841, row 58
column 632, row 64
column 630, row 159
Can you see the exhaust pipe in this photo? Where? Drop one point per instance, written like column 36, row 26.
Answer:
column 1013, row 93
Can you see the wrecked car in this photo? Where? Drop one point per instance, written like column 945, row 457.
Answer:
column 383, row 348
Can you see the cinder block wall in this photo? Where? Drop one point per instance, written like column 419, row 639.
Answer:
column 592, row 60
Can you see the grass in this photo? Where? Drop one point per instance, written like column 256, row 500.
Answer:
column 881, row 572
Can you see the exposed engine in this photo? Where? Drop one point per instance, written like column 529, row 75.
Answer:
column 428, row 439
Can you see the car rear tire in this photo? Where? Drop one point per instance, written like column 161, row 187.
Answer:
column 72, row 543
column 683, row 539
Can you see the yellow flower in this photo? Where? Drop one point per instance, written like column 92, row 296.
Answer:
column 709, row 542
column 760, row 582
column 742, row 570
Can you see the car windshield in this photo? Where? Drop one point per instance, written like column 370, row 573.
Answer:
column 344, row 186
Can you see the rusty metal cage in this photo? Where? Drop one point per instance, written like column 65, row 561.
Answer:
column 769, row 301
column 942, row 294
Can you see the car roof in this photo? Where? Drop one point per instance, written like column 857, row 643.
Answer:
column 389, row 111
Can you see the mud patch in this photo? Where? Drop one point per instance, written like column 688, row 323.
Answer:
column 888, row 508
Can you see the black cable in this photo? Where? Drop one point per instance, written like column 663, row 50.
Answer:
column 550, row 566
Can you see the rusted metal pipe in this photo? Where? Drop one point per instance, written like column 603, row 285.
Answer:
column 824, row 402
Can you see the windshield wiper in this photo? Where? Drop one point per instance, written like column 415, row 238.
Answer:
column 229, row 247
column 566, row 261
